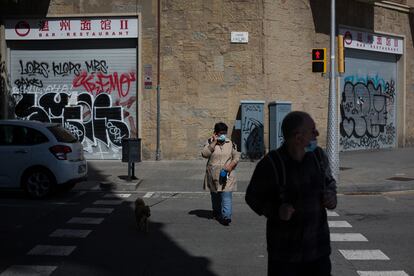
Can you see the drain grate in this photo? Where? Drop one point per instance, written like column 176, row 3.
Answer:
column 400, row 178
column 344, row 168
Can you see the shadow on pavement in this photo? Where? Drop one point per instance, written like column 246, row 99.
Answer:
column 113, row 247
column 207, row 214
column 117, row 247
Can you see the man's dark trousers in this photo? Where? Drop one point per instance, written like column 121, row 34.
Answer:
column 320, row 267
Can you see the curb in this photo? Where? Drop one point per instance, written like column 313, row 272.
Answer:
column 375, row 188
column 120, row 185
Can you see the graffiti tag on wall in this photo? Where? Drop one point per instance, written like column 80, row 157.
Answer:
column 252, row 131
column 367, row 114
column 92, row 101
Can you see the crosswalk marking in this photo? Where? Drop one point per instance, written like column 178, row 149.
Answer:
column 85, row 220
column 148, row 195
column 70, row 233
column 108, row 202
column 52, row 250
column 117, row 195
column 383, row 273
column 363, row 254
column 28, row 270
column 98, row 210
column 332, row 213
column 354, row 237
column 339, row 224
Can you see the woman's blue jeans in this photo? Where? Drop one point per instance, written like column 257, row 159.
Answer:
column 222, row 204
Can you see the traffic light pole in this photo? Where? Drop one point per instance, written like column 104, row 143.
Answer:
column 332, row 133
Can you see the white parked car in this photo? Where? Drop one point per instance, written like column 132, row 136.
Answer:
column 39, row 157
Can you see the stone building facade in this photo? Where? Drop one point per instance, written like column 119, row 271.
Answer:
column 204, row 76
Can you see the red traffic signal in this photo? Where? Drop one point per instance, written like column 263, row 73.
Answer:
column 319, row 60
column 318, row 54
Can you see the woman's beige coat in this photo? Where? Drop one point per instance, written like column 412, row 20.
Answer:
column 219, row 155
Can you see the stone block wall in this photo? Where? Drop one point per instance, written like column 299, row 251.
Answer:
column 204, row 76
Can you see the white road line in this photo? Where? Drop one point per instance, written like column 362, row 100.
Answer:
column 18, row 205
column 70, row 233
column 339, row 224
column 332, row 213
column 363, row 255
column 98, row 210
column 28, row 270
column 117, row 195
column 108, row 202
column 52, row 250
column 347, row 237
column 85, row 220
column 383, row 273
column 148, row 195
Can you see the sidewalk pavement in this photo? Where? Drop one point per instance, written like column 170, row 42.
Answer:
column 372, row 171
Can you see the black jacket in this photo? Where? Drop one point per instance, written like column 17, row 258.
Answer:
column 279, row 179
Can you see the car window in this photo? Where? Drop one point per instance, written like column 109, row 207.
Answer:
column 35, row 137
column 20, row 135
column 5, row 135
column 62, row 135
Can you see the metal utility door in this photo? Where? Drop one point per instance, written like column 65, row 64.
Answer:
column 277, row 112
column 252, row 132
column 368, row 101
column 91, row 92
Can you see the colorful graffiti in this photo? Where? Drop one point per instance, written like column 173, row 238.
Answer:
column 98, row 82
column 367, row 113
column 92, row 101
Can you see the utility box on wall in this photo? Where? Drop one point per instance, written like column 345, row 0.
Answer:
column 277, row 112
column 252, row 131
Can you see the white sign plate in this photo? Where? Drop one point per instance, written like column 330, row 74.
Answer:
column 239, row 37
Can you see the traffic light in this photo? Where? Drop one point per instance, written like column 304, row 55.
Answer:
column 319, row 60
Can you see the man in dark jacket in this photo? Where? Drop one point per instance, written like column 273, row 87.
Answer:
column 292, row 187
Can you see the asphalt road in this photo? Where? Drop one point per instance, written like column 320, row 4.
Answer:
column 65, row 236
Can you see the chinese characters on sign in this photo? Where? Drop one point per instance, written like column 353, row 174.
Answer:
column 372, row 42
column 73, row 28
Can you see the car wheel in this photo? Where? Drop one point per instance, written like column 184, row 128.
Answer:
column 38, row 183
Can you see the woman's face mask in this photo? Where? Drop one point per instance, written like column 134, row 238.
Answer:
column 222, row 138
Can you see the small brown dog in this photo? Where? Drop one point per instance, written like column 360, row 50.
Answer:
column 142, row 213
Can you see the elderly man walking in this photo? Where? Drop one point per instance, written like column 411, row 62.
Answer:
column 292, row 187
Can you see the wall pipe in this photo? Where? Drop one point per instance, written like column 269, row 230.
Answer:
column 158, row 151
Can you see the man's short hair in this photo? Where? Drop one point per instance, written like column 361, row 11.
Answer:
column 220, row 126
column 292, row 122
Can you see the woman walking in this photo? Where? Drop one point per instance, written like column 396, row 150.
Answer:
column 220, row 178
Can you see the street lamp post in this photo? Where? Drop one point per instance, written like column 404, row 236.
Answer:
column 332, row 133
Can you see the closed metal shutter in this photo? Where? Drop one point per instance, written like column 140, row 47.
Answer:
column 368, row 101
column 92, row 92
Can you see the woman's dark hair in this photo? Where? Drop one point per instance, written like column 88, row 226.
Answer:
column 292, row 122
column 220, row 126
